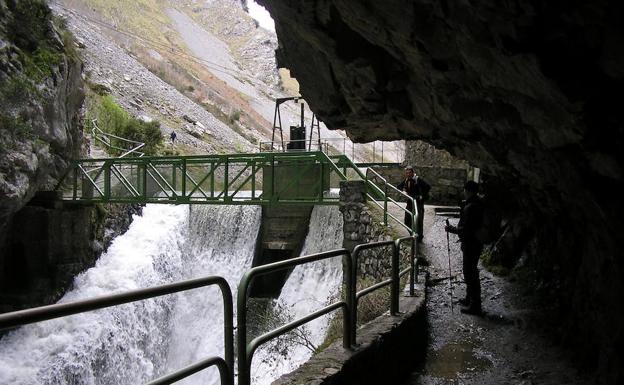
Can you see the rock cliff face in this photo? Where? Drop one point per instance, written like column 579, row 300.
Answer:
column 41, row 95
column 528, row 91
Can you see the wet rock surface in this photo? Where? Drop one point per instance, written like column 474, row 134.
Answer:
column 503, row 346
column 40, row 98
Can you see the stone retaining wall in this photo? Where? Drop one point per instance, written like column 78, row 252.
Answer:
column 388, row 348
column 49, row 242
column 446, row 183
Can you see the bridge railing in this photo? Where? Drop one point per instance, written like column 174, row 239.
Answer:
column 265, row 178
column 225, row 364
column 371, row 152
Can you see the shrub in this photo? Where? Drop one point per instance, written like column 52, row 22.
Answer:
column 234, row 116
column 114, row 120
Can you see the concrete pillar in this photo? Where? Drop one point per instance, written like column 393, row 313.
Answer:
column 357, row 219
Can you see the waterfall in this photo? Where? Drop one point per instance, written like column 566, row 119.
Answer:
column 137, row 342
column 308, row 288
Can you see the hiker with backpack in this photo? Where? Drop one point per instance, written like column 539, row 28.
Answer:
column 417, row 188
column 468, row 228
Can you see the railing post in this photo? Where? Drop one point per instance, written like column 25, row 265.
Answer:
column 386, row 204
column 226, row 178
column 143, row 173
column 253, row 179
column 107, row 181
column 353, row 321
column 212, row 171
column 394, row 292
column 382, row 152
column 75, row 193
column 348, row 333
column 414, row 264
column 183, row 183
column 174, row 179
column 241, row 332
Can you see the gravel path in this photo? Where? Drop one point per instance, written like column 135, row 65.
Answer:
column 500, row 347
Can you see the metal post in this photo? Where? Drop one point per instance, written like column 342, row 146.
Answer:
column 322, row 166
column 226, row 178
column 414, row 266
column 253, row 180
column 386, row 204
column 212, row 171
column 394, row 293
column 351, row 292
column 107, row 181
column 144, row 179
column 348, row 333
column 75, row 194
column 382, row 152
column 183, row 183
column 241, row 330
column 174, row 178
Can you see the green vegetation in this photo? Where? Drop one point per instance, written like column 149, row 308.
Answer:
column 16, row 126
column 234, row 116
column 111, row 118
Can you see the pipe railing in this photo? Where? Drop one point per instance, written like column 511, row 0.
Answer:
column 412, row 213
column 225, row 365
column 331, row 146
column 105, row 138
column 246, row 350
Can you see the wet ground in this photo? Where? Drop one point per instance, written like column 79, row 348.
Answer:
column 500, row 347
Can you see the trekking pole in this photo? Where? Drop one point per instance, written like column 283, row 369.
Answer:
column 448, row 247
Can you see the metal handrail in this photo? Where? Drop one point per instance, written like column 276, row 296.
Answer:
column 43, row 313
column 414, row 214
column 104, row 137
column 246, row 350
column 414, row 265
column 394, row 294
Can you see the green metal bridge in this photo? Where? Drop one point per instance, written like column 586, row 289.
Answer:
column 266, row 178
column 252, row 179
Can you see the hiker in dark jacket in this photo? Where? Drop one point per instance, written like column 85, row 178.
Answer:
column 417, row 188
column 470, row 221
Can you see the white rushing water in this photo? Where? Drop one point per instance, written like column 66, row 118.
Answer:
column 308, row 288
column 134, row 343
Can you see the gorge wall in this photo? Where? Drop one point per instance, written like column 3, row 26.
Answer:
column 40, row 133
column 41, row 95
column 527, row 91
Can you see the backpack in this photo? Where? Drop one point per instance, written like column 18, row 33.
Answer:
column 490, row 229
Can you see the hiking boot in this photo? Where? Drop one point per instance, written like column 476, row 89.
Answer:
column 474, row 310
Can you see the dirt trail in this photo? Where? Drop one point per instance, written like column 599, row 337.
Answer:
column 498, row 348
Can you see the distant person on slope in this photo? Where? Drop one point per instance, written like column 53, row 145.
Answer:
column 470, row 221
column 417, row 188
column 173, row 137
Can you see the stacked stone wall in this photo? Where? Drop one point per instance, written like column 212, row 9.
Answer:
column 446, row 182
